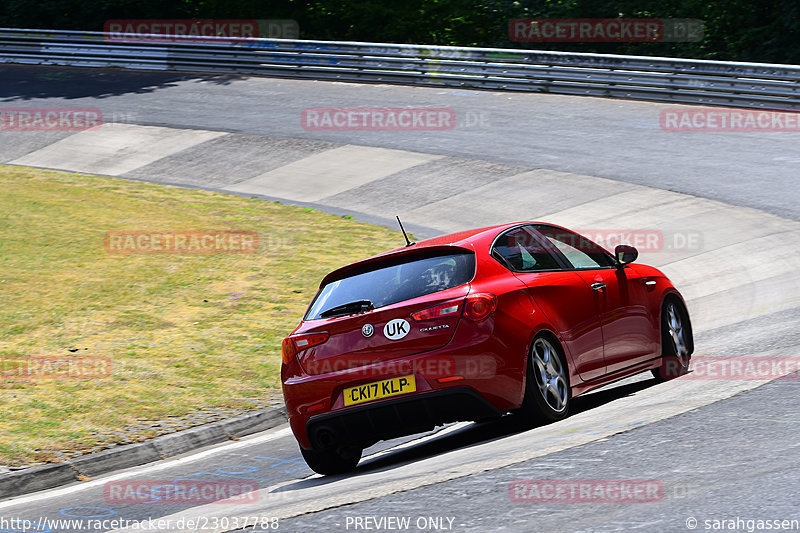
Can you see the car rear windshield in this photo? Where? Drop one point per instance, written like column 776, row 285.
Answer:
column 387, row 284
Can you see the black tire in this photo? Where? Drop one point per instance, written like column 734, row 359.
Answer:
column 547, row 390
column 338, row 460
column 676, row 341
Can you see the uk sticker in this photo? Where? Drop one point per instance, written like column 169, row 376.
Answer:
column 396, row 329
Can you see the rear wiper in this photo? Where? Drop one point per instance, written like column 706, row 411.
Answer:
column 350, row 308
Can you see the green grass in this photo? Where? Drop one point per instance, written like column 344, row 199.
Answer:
column 183, row 332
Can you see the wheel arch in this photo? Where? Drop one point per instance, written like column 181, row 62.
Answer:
column 552, row 336
column 675, row 296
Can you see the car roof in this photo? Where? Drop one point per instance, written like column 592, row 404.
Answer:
column 466, row 237
column 468, row 240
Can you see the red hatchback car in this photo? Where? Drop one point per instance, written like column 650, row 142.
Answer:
column 514, row 318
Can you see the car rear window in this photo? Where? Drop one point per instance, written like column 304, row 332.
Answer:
column 387, row 284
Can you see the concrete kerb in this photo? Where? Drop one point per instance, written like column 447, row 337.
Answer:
column 52, row 475
column 418, row 231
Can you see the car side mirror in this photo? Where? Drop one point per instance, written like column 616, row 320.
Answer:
column 625, row 254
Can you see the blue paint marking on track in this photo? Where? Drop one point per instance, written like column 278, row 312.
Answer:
column 283, row 461
column 107, row 512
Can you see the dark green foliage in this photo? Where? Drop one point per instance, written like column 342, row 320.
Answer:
column 743, row 30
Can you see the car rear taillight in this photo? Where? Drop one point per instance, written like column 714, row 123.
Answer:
column 298, row 343
column 479, row 306
column 444, row 310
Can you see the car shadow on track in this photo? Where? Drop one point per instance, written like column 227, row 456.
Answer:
column 472, row 435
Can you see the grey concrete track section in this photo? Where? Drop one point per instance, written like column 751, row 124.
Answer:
column 715, row 252
column 736, row 265
column 608, row 138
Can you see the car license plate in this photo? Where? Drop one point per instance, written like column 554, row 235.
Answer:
column 379, row 389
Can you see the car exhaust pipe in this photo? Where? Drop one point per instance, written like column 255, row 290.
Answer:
column 325, row 438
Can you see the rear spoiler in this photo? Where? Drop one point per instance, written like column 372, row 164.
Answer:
column 394, row 257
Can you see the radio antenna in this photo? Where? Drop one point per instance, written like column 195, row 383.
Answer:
column 408, row 243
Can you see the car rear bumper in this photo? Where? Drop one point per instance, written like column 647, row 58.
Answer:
column 476, row 360
column 366, row 424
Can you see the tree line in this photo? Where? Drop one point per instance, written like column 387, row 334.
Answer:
column 734, row 30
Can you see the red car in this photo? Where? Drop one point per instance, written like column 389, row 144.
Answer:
column 514, row 318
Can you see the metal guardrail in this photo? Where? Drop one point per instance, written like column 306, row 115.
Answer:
column 752, row 85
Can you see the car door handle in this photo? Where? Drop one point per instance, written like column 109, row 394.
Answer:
column 599, row 287
column 650, row 283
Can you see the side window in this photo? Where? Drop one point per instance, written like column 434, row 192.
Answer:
column 522, row 251
column 579, row 251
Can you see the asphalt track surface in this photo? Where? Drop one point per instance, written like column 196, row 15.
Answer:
column 723, row 460
column 615, row 139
